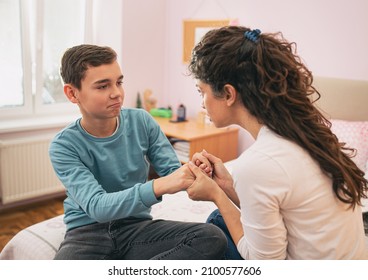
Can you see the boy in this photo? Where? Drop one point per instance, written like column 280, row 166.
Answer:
column 103, row 160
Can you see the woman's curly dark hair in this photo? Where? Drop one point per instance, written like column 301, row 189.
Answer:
column 276, row 87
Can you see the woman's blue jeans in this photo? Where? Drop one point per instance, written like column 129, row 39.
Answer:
column 141, row 239
column 231, row 252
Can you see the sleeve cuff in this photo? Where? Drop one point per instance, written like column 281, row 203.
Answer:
column 147, row 195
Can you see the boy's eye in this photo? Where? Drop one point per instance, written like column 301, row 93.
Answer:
column 102, row 87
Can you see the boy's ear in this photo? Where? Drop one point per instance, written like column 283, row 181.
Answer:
column 230, row 94
column 70, row 93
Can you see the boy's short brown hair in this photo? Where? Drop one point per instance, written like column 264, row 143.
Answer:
column 77, row 59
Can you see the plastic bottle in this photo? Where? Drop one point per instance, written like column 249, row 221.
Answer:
column 181, row 113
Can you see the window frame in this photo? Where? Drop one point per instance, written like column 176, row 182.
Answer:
column 33, row 106
column 26, row 108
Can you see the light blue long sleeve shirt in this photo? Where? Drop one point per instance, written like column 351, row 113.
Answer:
column 106, row 178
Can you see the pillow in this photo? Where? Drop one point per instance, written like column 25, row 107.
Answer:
column 355, row 135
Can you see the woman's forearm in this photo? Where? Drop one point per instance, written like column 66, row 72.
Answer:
column 231, row 214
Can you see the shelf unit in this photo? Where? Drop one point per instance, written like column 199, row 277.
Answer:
column 221, row 142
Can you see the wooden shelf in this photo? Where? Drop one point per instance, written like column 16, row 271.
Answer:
column 221, row 142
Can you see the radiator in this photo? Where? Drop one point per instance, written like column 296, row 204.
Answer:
column 25, row 170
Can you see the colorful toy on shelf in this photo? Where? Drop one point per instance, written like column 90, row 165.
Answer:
column 161, row 112
column 149, row 101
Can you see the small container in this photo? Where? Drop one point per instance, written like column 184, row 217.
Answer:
column 181, row 113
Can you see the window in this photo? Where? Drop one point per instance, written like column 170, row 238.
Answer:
column 11, row 59
column 36, row 33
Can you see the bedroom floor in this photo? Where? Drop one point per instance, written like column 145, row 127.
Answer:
column 13, row 221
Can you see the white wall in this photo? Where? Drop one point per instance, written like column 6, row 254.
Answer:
column 107, row 22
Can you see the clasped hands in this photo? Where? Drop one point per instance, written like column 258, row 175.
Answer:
column 207, row 177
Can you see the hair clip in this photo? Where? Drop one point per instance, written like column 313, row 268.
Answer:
column 252, row 35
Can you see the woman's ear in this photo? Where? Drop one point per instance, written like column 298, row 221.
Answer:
column 230, row 94
column 71, row 93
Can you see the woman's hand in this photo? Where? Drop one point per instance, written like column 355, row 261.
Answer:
column 203, row 187
column 220, row 174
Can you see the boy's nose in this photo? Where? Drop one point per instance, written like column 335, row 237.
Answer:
column 116, row 91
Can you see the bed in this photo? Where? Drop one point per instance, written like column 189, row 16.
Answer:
column 345, row 102
column 342, row 101
column 41, row 241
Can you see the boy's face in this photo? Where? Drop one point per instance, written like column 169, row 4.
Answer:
column 101, row 95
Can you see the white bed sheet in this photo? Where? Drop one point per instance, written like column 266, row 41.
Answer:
column 41, row 241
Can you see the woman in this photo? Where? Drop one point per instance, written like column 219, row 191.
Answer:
column 297, row 188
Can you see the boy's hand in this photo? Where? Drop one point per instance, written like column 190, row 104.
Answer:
column 177, row 181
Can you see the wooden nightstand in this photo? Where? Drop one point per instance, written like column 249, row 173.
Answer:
column 221, row 142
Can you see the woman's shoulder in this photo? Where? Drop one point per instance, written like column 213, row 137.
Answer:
column 271, row 151
column 272, row 143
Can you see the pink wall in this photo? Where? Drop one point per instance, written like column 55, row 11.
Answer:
column 143, row 47
column 331, row 37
